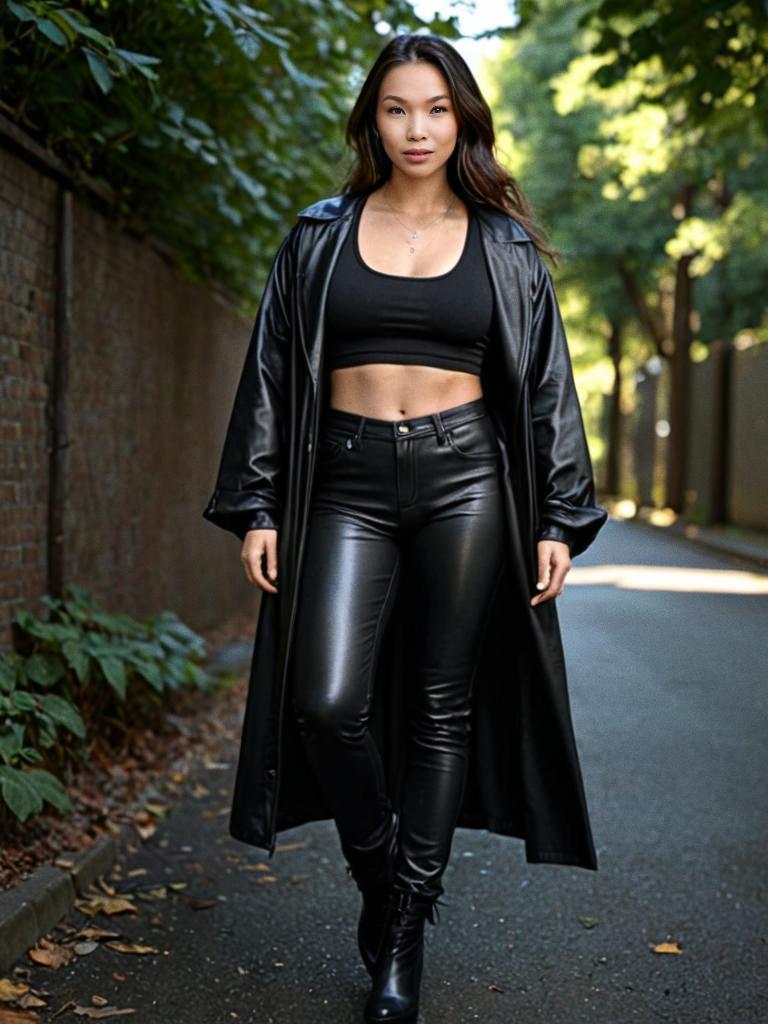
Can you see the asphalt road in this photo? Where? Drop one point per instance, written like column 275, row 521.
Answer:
column 668, row 675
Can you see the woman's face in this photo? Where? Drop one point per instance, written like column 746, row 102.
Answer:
column 415, row 112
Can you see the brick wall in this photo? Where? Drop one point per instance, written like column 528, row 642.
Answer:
column 153, row 363
column 27, row 217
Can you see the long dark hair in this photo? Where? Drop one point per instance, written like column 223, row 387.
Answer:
column 473, row 171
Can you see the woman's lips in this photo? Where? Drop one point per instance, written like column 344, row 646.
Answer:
column 418, row 158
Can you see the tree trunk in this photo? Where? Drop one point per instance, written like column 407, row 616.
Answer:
column 680, row 386
column 723, row 352
column 613, row 460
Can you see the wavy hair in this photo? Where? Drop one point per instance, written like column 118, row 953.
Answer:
column 473, row 170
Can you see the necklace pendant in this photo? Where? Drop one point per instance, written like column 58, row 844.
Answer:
column 415, row 234
column 412, row 250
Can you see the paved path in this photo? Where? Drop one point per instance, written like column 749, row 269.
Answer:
column 669, row 699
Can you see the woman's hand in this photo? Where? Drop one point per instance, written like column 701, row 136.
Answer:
column 256, row 545
column 554, row 563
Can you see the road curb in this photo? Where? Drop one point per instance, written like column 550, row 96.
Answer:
column 31, row 908
column 747, row 554
column 34, row 906
column 747, row 551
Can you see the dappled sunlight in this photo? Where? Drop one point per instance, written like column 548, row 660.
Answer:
column 670, row 577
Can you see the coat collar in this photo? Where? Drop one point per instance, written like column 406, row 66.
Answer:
column 502, row 227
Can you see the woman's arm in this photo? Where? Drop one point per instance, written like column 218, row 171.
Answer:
column 568, row 512
column 247, row 495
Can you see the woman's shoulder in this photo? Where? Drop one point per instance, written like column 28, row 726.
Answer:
column 499, row 224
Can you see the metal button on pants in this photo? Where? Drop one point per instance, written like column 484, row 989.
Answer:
column 421, row 494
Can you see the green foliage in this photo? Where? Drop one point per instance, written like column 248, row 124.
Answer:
column 606, row 166
column 212, row 121
column 72, row 675
column 715, row 55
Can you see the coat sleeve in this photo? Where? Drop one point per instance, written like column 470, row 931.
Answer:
column 247, row 492
column 565, row 486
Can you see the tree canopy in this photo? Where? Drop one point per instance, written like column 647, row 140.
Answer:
column 211, row 121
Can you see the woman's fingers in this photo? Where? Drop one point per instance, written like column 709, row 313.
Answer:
column 554, row 562
column 260, row 552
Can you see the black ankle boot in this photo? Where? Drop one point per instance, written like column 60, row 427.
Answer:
column 372, row 867
column 398, row 968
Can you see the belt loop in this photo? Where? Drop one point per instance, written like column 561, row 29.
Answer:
column 436, row 419
column 357, row 439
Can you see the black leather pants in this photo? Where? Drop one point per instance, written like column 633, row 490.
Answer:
column 422, row 491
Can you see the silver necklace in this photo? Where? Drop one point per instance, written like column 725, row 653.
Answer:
column 416, row 233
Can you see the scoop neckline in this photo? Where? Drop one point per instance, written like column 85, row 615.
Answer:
column 409, row 277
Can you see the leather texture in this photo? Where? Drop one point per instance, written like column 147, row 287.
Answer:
column 396, row 990
column 372, row 864
column 524, row 776
column 408, row 512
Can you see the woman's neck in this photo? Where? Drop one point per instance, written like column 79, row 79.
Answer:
column 417, row 197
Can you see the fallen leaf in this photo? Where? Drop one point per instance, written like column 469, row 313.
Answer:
column 99, row 1000
column 50, row 955
column 135, row 872
column 495, row 988
column 8, row 1016
column 177, row 885
column 31, row 1000
column 117, row 976
column 101, row 1014
column 10, row 990
column 588, row 922
column 201, row 904
column 265, row 879
column 125, row 947
column 291, row 846
column 106, row 905
column 666, row 947
column 90, row 931
column 146, row 831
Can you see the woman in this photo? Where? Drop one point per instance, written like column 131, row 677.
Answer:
column 410, row 325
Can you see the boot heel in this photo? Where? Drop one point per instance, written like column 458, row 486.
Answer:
column 397, row 972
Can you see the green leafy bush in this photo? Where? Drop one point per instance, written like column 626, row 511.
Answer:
column 83, row 670
column 212, row 121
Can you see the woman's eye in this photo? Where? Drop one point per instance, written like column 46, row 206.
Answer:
column 437, row 106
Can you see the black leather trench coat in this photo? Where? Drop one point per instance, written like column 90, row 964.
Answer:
column 524, row 778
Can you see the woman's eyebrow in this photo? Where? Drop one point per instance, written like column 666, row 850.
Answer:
column 400, row 99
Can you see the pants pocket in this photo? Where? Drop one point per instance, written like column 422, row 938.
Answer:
column 475, row 439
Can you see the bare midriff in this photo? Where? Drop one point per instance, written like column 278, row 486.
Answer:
column 394, row 391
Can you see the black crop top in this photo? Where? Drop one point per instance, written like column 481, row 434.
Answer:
column 374, row 317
